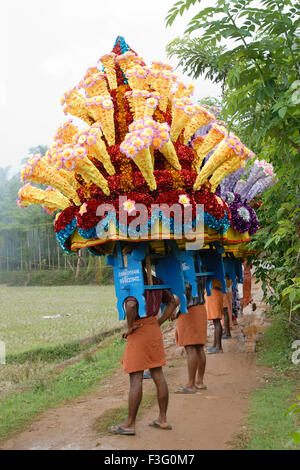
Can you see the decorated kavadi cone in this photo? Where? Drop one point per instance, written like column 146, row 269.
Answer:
column 135, row 141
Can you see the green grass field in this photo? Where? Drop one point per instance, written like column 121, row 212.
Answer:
column 34, row 345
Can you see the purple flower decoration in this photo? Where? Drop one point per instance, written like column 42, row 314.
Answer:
column 261, row 185
column 238, row 193
column 230, row 181
column 243, row 217
column 239, row 186
column 254, row 225
column 261, row 170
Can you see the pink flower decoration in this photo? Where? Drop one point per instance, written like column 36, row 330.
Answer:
column 129, row 206
column 184, row 199
column 83, row 209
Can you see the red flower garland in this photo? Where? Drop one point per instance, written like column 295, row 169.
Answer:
column 65, row 218
column 189, row 178
column 89, row 219
column 210, row 203
column 164, row 180
column 185, row 155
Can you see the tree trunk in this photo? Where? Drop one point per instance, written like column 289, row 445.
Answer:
column 99, row 272
column 21, row 256
column 70, row 264
column 28, row 248
column 7, row 258
column 49, row 255
column 39, row 248
column 58, row 257
column 34, row 250
column 78, row 265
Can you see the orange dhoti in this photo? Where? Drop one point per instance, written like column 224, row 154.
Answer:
column 247, row 297
column 191, row 327
column 227, row 303
column 144, row 348
column 214, row 302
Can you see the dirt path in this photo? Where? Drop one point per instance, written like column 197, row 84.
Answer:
column 207, row 420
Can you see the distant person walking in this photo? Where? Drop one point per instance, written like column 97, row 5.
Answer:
column 227, row 311
column 247, row 287
column 214, row 309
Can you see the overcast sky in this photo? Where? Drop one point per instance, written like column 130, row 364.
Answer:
column 48, row 45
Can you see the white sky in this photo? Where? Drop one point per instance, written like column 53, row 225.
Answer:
column 49, row 44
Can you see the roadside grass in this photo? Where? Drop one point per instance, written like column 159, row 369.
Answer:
column 19, row 409
column 267, row 427
column 275, row 348
column 118, row 415
column 56, row 353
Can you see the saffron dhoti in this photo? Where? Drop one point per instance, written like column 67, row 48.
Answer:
column 191, row 327
column 214, row 302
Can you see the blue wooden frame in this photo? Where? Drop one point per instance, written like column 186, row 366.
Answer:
column 212, row 261
column 233, row 269
column 129, row 279
column 174, row 269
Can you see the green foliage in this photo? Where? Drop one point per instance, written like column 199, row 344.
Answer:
column 55, row 277
column 179, row 7
column 278, row 242
column 29, row 252
column 202, row 58
column 275, row 348
column 255, row 52
column 27, row 238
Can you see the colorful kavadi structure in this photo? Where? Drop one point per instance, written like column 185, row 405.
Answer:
column 138, row 147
